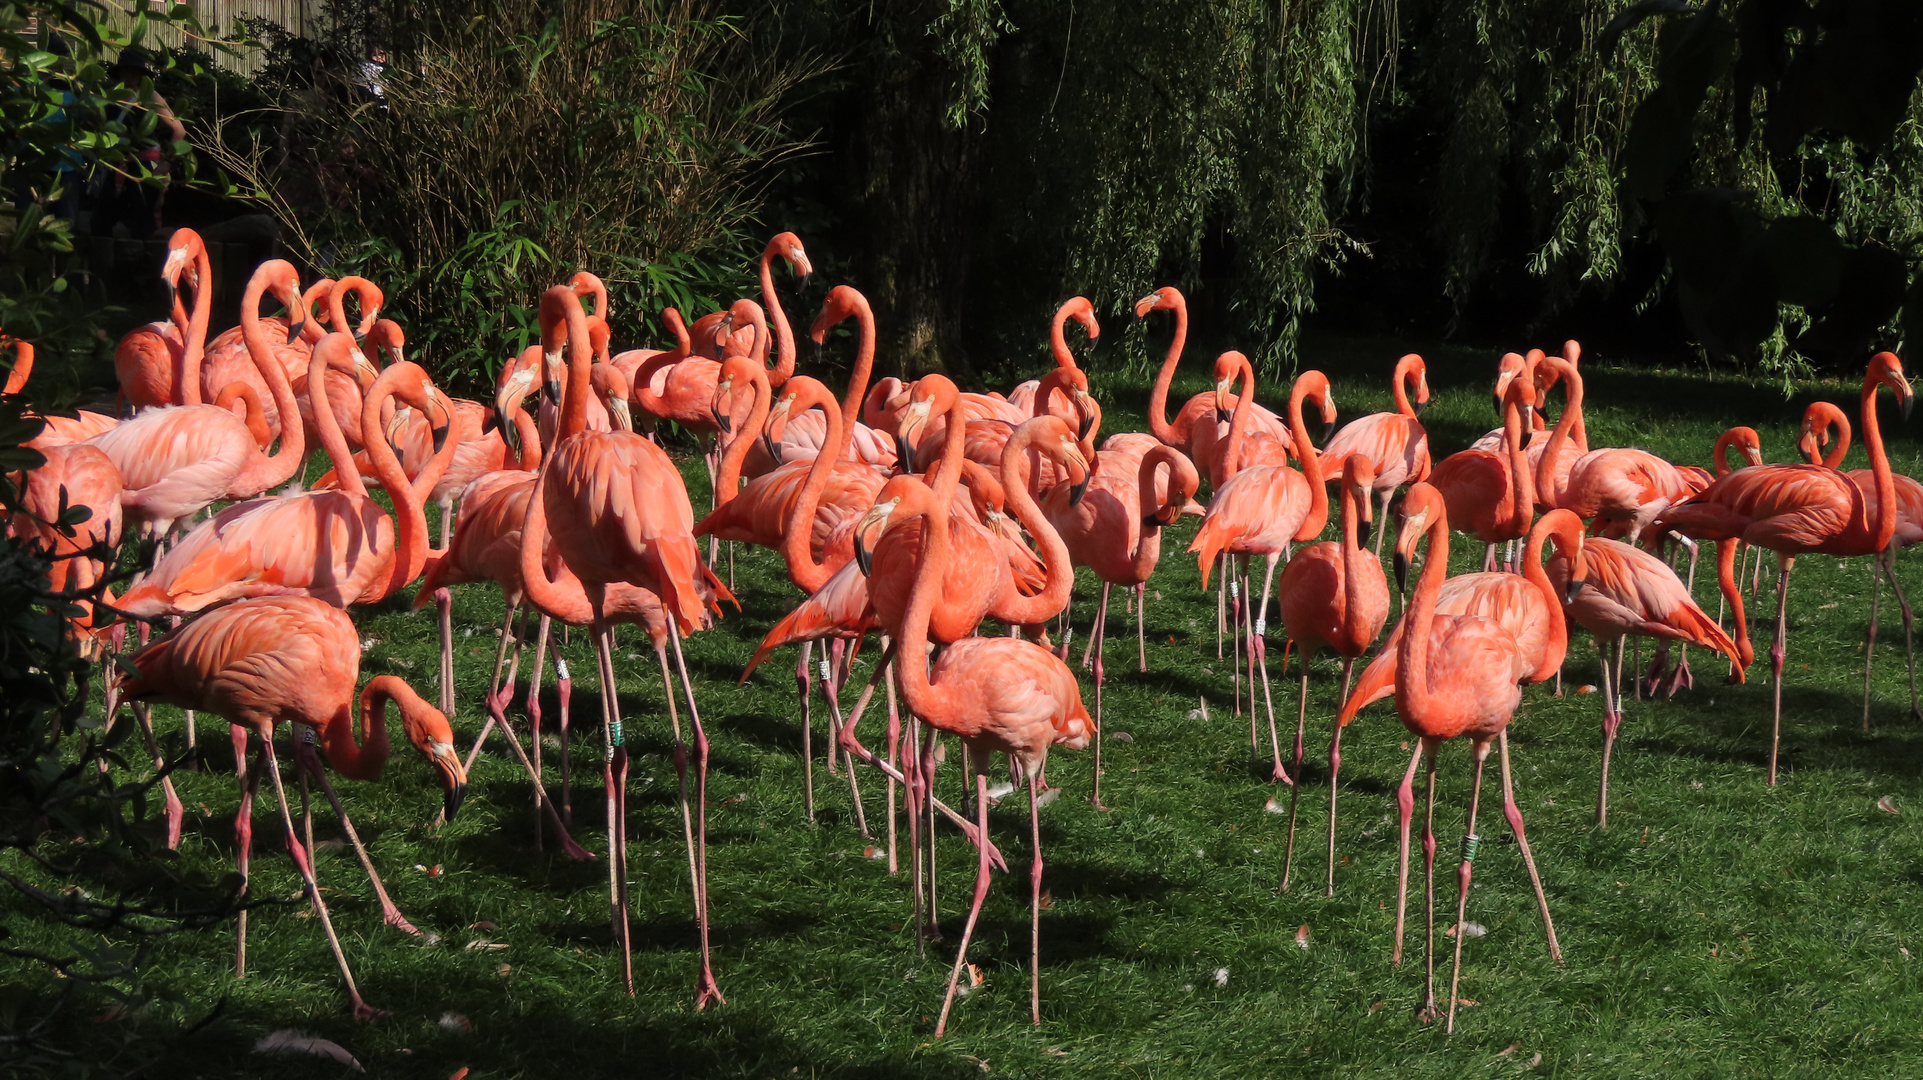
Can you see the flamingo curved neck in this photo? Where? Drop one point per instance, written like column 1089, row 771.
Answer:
column 326, row 427
column 1311, row 464
column 363, row 759
column 1521, row 479
column 1229, row 463
column 1412, row 661
column 274, row 469
column 193, row 339
column 410, row 515
column 1559, row 438
column 857, row 381
column 1882, row 527
column 1059, row 572
column 1148, row 542
column 797, row 545
column 1557, row 643
column 728, row 477
column 1158, row 422
column 1405, row 373
column 1353, row 558
column 931, row 703
column 784, row 335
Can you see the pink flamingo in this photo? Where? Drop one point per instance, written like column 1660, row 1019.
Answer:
column 1395, row 443
column 1198, row 418
column 1625, row 488
column 1456, row 676
column 1490, row 494
column 152, row 362
column 1798, row 509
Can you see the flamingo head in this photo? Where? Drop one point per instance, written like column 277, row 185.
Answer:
column 1058, row 442
column 1421, row 505
column 902, row 498
column 517, row 378
column 429, row 732
column 408, row 383
column 607, row 381
column 370, row 296
column 386, row 336
column 585, row 284
column 1413, row 365
column 1228, row 366
column 184, row 248
column 933, row 395
column 788, row 246
column 1358, row 475
column 843, row 303
column 1079, row 309
column 1511, row 365
column 1166, row 298
column 1885, row 368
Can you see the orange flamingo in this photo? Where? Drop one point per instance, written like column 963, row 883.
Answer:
column 1490, row 494
column 1818, row 421
column 999, row 695
column 338, row 546
column 1630, row 591
column 621, row 514
column 1626, row 488
column 153, row 362
column 1395, row 443
column 1333, row 593
column 1262, row 510
column 1198, row 418
column 294, row 660
column 1079, row 309
column 317, row 313
column 1797, row 509
column 174, row 462
column 1456, row 676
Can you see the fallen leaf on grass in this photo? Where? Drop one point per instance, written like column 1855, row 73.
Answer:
column 1048, row 796
column 872, row 852
column 1121, row 736
column 1374, row 1008
column 1054, row 1052
column 482, row 926
column 974, row 975
column 1221, row 976
column 1302, row 937
column 978, row 1061
column 1586, row 688
column 452, row 1021
column 1274, row 807
column 1510, row 1049
column 1534, row 1061
column 289, row 1041
column 1887, row 804
column 459, row 1074
column 1469, row 930
column 482, row 943
column 430, row 871
column 503, row 970
column 1048, row 899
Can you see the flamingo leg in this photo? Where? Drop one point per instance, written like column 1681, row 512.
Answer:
column 1295, row 790
column 706, row 989
column 244, row 837
column 894, row 758
column 1380, row 533
column 1909, row 639
column 833, row 673
column 362, row 1010
column 613, row 779
column 1869, row 639
column 1611, row 723
column 533, row 722
column 834, row 718
column 1335, row 764
column 1101, row 618
column 564, row 690
column 974, row 909
column 1259, row 655
column 1776, row 652
column 176, row 811
column 1035, row 896
column 1238, row 593
column 1221, row 601
column 307, row 761
column 1513, row 813
column 1405, row 809
column 494, row 681
column 496, row 703
column 1141, row 629
column 807, row 729
column 1427, row 1013
column 1096, row 639
column 1463, row 874
column 444, row 614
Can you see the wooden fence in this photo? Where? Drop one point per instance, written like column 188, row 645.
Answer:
column 221, row 17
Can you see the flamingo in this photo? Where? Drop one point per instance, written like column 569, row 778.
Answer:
column 1818, row 420
column 1490, row 494
column 1797, row 509
column 1456, row 676
column 152, row 362
column 291, row 659
column 621, row 514
column 1195, row 425
column 711, row 330
column 317, row 313
column 999, row 695
column 1630, row 591
column 1083, row 312
column 1115, row 529
column 338, row 546
column 1394, row 442
column 1262, row 510
column 1626, row 488
column 687, row 389
column 1333, row 593
column 174, row 462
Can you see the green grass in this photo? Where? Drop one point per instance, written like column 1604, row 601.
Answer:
column 1718, row 927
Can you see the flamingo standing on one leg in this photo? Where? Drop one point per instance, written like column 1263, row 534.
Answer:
column 621, row 514
column 278, row 660
column 1799, row 509
column 1456, row 676
column 1333, row 593
column 1630, row 591
column 1394, row 443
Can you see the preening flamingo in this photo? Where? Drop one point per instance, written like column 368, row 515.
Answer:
column 277, row 660
column 1262, row 510
column 1333, row 593
column 1630, row 591
column 999, row 695
column 1395, row 443
column 620, row 514
column 338, row 546
column 1798, row 509
column 174, row 462
column 1456, row 676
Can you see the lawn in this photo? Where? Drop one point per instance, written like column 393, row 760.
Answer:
column 1717, row 927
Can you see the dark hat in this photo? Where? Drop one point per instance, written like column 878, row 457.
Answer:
column 132, row 59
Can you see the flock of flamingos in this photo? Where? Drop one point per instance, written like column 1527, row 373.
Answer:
column 900, row 509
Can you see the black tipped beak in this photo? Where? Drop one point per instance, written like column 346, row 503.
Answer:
column 360, row 334
column 1222, row 416
column 1421, row 407
column 1087, row 423
column 1402, row 572
column 294, row 329
column 863, row 557
column 772, row 447
column 509, row 433
column 1497, row 398
column 1905, row 404
column 1528, row 416
column 440, row 437
column 451, row 801
column 1570, row 591
column 551, row 390
column 1362, row 531
column 1328, row 430
column 722, row 423
column 1075, row 493
column 905, row 453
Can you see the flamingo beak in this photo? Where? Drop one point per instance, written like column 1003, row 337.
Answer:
column 1402, row 572
column 453, row 779
column 509, row 433
column 293, row 330
column 618, row 411
column 1087, row 420
column 1080, row 489
column 905, row 452
column 440, row 436
column 1362, row 531
column 171, row 291
column 1497, row 398
column 1328, row 430
column 1754, row 453
column 1905, row 402
column 772, row 447
column 1528, row 416
column 721, row 422
column 1421, row 407
column 1571, row 590
column 1223, row 416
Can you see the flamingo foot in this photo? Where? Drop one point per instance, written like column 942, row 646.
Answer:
column 366, row 1013
column 176, row 816
column 706, row 990
column 392, row 916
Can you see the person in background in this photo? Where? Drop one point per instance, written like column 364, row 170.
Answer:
column 372, row 70
column 123, row 198
column 63, row 169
